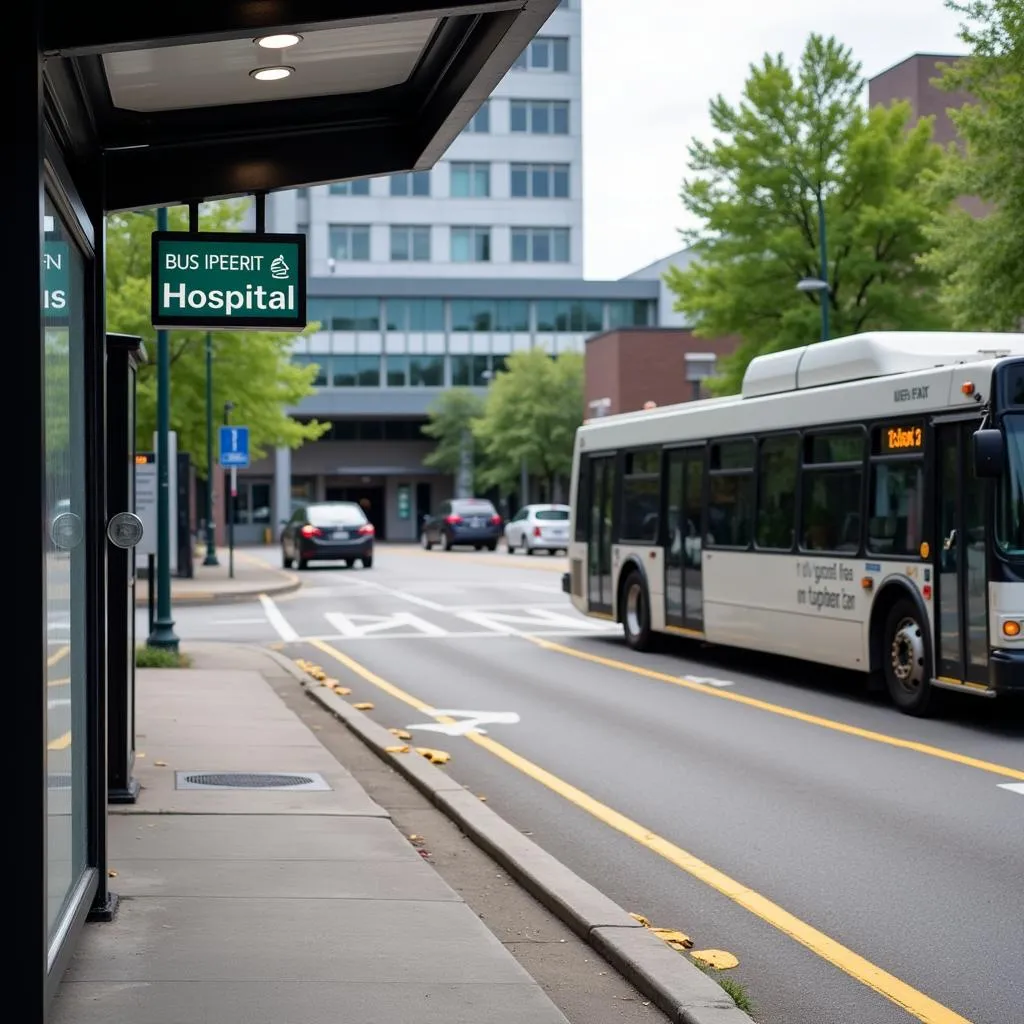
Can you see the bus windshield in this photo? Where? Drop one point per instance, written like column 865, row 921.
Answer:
column 1010, row 512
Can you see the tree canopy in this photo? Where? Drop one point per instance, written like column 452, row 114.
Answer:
column 531, row 413
column 251, row 369
column 981, row 259
column 797, row 136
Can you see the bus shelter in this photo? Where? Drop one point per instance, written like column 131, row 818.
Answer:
column 121, row 107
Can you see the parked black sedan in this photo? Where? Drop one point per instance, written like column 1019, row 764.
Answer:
column 328, row 531
column 466, row 522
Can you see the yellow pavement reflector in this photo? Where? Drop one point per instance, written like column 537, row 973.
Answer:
column 403, row 749
column 719, row 959
column 676, row 939
column 402, row 734
column 363, row 706
column 160, row 764
column 434, row 756
column 342, row 691
column 480, row 796
column 643, row 920
column 111, row 873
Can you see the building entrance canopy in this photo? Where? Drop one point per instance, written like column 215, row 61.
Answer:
column 197, row 101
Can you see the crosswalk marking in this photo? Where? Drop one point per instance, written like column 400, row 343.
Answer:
column 363, row 625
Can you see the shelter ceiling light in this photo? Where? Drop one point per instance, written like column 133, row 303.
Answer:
column 279, row 42
column 273, row 74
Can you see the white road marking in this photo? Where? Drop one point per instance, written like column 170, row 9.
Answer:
column 277, row 620
column 403, row 596
column 1013, row 787
column 363, row 625
column 471, row 721
column 530, row 620
column 483, row 634
column 707, row 681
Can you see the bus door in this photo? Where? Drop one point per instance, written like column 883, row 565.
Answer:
column 684, row 511
column 961, row 612
column 600, row 492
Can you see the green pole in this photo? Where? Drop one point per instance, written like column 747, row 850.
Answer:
column 211, row 546
column 163, row 634
column 825, row 293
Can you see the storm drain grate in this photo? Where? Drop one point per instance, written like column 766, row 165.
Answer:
column 251, row 780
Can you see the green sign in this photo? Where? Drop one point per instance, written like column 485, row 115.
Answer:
column 404, row 501
column 225, row 280
column 56, row 281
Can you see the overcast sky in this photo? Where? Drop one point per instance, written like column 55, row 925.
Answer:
column 651, row 66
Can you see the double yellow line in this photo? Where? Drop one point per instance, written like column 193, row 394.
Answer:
column 916, row 1003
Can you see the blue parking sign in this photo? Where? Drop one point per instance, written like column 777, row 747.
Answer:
column 234, row 447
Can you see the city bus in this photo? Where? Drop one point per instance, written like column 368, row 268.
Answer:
column 860, row 504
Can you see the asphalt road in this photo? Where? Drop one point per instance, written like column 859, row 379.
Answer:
column 862, row 865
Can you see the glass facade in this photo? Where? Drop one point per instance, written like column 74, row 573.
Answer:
column 63, row 322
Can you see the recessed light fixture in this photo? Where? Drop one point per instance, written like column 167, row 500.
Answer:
column 271, row 74
column 279, row 42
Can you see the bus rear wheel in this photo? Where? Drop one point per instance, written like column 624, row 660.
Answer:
column 636, row 613
column 906, row 661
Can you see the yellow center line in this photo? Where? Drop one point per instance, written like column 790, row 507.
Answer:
column 60, row 743
column 778, row 709
column 56, row 656
column 916, row 1003
column 63, row 681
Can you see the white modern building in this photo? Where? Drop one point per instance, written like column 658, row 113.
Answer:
column 428, row 280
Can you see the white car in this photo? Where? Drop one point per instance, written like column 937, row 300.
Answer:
column 538, row 528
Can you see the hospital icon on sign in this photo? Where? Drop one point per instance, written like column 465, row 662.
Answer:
column 278, row 268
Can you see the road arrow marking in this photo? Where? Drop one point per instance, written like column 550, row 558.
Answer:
column 364, row 625
column 471, row 721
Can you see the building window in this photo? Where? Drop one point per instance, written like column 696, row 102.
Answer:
column 539, row 181
column 628, row 313
column 700, row 366
column 471, row 245
column 545, row 53
column 345, row 314
column 410, row 243
column 426, row 371
column 480, row 122
column 565, row 315
column 359, row 187
column 350, row 242
column 539, row 117
column 470, row 371
column 415, row 315
column 470, row 179
column 355, row 371
column 415, row 183
column 501, row 315
column 320, row 362
column 540, row 245
column 397, row 369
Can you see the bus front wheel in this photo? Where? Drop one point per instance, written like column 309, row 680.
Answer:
column 906, row 659
column 636, row 613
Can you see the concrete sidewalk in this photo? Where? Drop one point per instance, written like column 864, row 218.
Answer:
column 274, row 906
column 213, row 584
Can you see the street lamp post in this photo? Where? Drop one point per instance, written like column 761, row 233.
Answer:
column 228, row 406
column 211, row 547
column 820, row 283
column 162, row 633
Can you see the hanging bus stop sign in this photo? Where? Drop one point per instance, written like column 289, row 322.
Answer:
column 220, row 280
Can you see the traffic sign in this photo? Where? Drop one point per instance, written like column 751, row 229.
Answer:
column 234, row 447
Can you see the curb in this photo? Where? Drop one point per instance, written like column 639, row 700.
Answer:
column 677, row 987
column 210, row 597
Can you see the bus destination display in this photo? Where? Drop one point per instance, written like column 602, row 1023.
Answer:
column 901, row 439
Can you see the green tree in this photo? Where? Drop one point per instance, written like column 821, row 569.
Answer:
column 981, row 260
column 793, row 137
column 533, row 409
column 251, row 369
column 451, row 418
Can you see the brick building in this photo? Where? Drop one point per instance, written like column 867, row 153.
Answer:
column 629, row 367
column 912, row 79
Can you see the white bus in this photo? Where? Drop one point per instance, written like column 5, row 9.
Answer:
column 860, row 504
